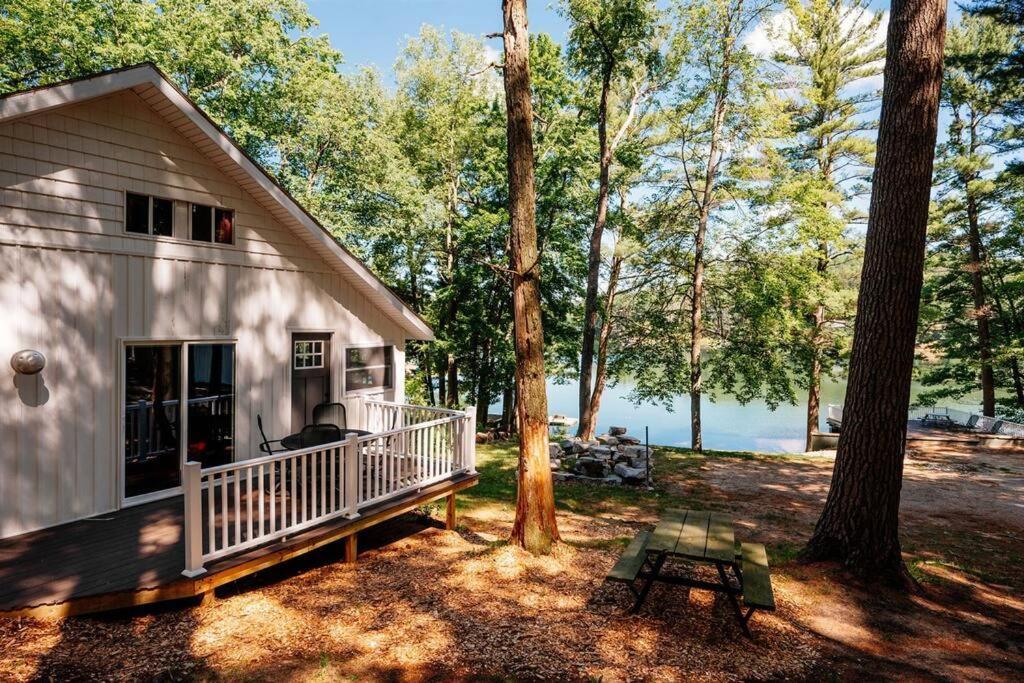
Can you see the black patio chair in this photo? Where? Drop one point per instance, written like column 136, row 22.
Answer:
column 332, row 414
column 267, row 445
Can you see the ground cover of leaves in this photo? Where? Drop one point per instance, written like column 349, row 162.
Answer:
column 428, row 604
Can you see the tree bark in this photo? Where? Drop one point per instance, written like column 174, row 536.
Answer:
column 981, row 309
column 534, row 528
column 859, row 525
column 601, row 376
column 594, row 260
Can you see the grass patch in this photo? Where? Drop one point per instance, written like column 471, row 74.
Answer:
column 496, row 463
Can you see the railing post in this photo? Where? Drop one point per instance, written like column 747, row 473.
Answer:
column 352, row 457
column 193, row 481
column 469, row 445
column 359, row 412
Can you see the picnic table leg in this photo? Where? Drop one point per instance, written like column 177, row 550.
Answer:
column 731, row 594
column 651, row 577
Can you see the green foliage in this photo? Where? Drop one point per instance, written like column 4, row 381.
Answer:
column 977, row 210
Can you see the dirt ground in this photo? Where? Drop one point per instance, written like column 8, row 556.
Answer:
column 428, row 604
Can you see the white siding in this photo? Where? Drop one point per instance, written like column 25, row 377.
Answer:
column 74, row 286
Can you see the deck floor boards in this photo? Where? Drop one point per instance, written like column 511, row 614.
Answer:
column 133, row 549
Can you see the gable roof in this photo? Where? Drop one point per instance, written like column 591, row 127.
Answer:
column 149, row 83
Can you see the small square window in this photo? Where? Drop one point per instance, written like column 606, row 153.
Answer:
column 163, row 217
column 136, row 213
column 308, row 354
column 202, row 223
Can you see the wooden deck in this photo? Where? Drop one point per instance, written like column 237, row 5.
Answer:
column 136, row 555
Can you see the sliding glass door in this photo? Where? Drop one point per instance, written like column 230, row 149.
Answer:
column 211, row 403
column 152, row 419
column 156, row 433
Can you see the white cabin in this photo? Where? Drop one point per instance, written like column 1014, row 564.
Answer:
column 151, row 263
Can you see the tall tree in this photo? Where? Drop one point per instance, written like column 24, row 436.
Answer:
column 535, row 528
column 609, row 41
column 711, row 112
column 859, row 525
column 833, row 46
column 978, row 133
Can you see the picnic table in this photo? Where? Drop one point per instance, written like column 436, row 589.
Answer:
column 697, row 537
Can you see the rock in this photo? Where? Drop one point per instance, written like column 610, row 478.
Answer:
column 601, row 451
column 608, row 440
column 613, row 479
column 637, row 451
column 631, row 475
column 556, row 464
column 592, row 443
column 554, row 450
column 628, row 440
column 592, row 467
column 562, row 476
column 567, row 445
column 484, row 437
column 616, row 431
column 640, row 463
column 580, row 447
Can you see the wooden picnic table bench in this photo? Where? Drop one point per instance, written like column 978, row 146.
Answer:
column 698, row 537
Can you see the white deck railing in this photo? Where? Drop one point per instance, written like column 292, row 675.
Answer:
column 234, row 507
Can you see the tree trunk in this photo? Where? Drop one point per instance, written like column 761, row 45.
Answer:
column 601, row 376
column 507, row 407
column 697, row 302
column 594, row 260
column 981, row 309
column 535, row 528
column 814, row 390
column 1018, row 382
column 859, row 525
column 483, row 385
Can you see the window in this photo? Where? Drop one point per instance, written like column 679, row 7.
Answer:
column 212, row 224
column 368, row 367
column 145, row 215
column 309, row 354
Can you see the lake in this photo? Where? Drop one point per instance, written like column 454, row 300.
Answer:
column 727, row 424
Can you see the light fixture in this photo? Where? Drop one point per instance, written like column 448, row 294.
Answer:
column 28, row 362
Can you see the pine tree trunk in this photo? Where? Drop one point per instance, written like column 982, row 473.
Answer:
column 859, row 525
column 814, row 390
column 535, row 528
column 594, row 262
column 981, row 310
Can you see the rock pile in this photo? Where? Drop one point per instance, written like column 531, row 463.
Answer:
column 612, row 458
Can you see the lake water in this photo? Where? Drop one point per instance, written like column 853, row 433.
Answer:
column 727, row 424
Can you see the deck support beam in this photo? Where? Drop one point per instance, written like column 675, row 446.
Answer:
column 351, row 548
column 449, row 520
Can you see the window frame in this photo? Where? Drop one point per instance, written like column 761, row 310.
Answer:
column 214, row 208
column 389, row 384
column 312, row 353
column 150, row 207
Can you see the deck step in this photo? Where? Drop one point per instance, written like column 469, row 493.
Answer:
column 632, row 559
column 757, row 580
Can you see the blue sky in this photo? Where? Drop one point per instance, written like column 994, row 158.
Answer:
column 373, row 32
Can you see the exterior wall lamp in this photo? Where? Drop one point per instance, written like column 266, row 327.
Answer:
column 28, row 362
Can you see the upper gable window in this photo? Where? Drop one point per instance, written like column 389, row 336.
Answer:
column 213, row 224
column 146, row 215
